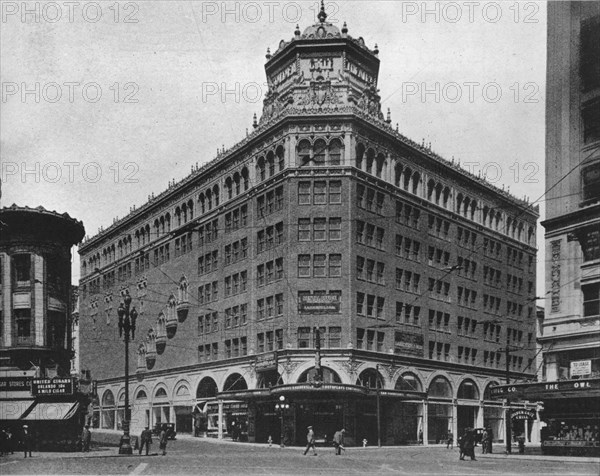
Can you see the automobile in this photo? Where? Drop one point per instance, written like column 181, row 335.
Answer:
column 168, row 427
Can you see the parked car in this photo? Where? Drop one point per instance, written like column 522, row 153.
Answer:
column 168, row 427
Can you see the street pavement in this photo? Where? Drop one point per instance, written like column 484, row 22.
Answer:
column 212, row 457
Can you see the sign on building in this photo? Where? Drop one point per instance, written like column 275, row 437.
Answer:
column 581, row 367
column 319, row 303
column 54, row 386
column 15, row 384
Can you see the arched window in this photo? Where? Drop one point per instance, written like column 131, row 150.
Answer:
column 409, row 382
column 178, row 216
column 280, row 158
column 108, row 399
column 202, row 201
column 160, row 393
column 236, row 183
column 473, row 209
column 360, row 152
column 319, row 151
column 207, row 388
column 190, row 206
column 468, row 390
column 398, row 175
column 271, row 163
column 245, row 178
column 380, row 172
column 370, row 160
column 335, row 152
column 235, row 382
column 184, row 213
column 209, row 202
column 438, row 193
column 370, row 378
column 162, row 225
column 440, row 387
column 141, row 395
column 216, row 195
column 303, row 152
column 416, row 179
column 261, row 171
column 430, row 190
column 229, row 188
column 108, row 411
column 168, row 221
column 407, row 176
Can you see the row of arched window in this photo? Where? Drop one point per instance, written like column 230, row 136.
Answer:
column 319, row 153
column 402, row 176
column 439, row 387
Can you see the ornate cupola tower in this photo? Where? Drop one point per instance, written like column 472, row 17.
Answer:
column 321, row 70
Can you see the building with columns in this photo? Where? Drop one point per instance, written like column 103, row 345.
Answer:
column 326, row 259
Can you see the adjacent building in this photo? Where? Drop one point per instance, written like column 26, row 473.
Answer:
column 326, row 259
column 35, row 330
column 570, row 330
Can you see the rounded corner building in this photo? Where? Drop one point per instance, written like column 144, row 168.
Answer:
column 324, row 271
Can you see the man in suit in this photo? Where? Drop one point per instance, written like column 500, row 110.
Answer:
column 310, row 441
column 145, row 439
column 27, row 440
column 338, row 441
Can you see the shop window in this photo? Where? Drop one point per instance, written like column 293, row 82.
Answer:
column 409, row 382
column 468, row 390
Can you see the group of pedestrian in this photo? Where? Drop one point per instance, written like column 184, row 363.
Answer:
column 338, row 441
column 146, row 441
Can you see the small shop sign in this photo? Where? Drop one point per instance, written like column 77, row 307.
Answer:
column 581, row 368
column 54, row 386
column 523, row 415
column 319, row 304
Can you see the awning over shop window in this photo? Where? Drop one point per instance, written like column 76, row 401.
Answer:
column 52, row 411
column 14, row 409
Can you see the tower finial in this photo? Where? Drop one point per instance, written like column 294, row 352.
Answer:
column 322, row 15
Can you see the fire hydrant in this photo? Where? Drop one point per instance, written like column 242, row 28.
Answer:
column 270, row 441
column 364, row 443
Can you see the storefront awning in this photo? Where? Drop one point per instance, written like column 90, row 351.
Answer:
column 52, row 411
column 549, row 390
column 14, row 409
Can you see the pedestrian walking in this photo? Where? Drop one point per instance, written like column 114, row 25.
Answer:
column 338, row 441
column 86, row 439
column 469, row 444
column 420, row 437
column 461, row 447
column 310, row 441
column 484, row 442
column 10, row 442
column 450, row 440
column 163, row 441
column 145, row 440
column 27, row 440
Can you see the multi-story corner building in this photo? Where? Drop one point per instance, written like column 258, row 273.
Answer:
column 35, row 329
column 325, row 258
column 570, row 330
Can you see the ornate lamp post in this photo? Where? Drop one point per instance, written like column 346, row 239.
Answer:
column 127, row 318
column 281, row 407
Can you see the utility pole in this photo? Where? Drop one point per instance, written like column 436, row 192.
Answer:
column 378, row 409
column 508, row 411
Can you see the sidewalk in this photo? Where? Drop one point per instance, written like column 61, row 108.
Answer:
column 540, row 457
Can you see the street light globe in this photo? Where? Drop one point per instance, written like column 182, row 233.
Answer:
column 281, row 398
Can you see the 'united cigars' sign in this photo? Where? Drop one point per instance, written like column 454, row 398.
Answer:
column 54, row 386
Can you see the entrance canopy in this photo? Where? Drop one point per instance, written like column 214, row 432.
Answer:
column 318, row 390
column 548, row 390
column 14, row 409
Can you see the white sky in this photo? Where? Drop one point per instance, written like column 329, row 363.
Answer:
column 75, row 155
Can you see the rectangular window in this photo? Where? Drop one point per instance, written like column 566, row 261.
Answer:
column 304, row 229
column 22, row 269
column 335, row 191
column 319, row 262
column 360, row 338
column 303, row 193
column 591, row 299
column 303, row 337
column 335, row 229
column 319, row 229
column 335, row 265
column 320, row 193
